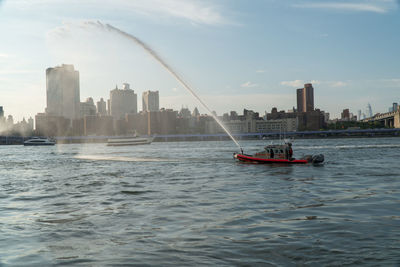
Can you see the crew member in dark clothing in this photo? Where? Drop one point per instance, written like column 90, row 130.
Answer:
column 290, row 151
column 272, row 153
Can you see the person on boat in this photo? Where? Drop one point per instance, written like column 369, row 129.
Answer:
column 290, row 155
column 271, row 153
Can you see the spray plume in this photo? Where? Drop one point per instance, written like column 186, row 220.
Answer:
column 152, row 53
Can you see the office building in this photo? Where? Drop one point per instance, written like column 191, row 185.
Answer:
column 150, row 101
column 87, row 108
column 98, row 125
column 345, row 114
column 101, row 107
column 305, row 98
column 195, row 112
column 395, row 107
column 299, row 93
column 122, row 101
column 49, row 125
column 62, row 91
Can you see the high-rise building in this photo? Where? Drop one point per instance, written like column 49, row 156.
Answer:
column 369, row 110
column 395, row 107
column 62, row 89
column 122, row 101
column 101, row 107
column 308, row 97
column 184, row 113
column 300, row 106
column 87, row 108
column 150, row 101
column 30, row 123
column 305, row 98
column 195, row 112
column 345, row 114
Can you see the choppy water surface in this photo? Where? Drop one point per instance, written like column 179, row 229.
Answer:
column 190, row 203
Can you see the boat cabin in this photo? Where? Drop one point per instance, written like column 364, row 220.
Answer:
column 276, row 152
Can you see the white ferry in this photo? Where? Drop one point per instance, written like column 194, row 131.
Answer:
column 39, row 141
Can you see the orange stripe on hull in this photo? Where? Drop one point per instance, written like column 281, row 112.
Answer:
column 245, row 158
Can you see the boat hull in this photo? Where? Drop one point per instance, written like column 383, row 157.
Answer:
column 36, row 141
column 251, row 159
column 43, row 144
column 129, row 141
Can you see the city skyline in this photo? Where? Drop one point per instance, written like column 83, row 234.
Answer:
column 234, row 60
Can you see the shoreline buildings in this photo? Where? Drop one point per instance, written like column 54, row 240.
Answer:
column 65, row 115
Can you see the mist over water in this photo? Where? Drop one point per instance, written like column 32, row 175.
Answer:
column 164, row 64
column 163, row 205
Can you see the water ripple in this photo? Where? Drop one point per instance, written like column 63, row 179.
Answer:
column 189, row 203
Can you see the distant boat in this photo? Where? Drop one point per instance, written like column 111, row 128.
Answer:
column 129, row 141
column 39, row 141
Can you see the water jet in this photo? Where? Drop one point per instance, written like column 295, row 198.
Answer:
column 167, row 67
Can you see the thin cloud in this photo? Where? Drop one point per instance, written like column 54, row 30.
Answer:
column 249, row 85
column 338, row 84
column 377, row 6
column 300, row 83
column 391, row 83
column 295, row 83
column 193, row 11
column 21, row 71
column 261, row 71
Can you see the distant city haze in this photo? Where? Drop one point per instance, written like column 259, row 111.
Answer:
column 119, row 114
column 238, row 55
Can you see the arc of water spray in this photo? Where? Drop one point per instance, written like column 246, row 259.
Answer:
column 166, row 67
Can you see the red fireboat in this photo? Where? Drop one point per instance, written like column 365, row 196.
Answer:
column 278, row 154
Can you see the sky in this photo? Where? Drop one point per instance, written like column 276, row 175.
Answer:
column 235, row 54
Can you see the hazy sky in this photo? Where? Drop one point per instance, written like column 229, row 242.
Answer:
column 236, row 54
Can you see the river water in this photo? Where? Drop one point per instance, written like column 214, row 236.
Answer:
column 190, row 203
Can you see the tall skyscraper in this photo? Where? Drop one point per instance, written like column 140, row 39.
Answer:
column 369, row 110
column 62, row 90
column 395, row 106
column 305, row 98
column 101, row 107
column 122, row 101
column 150, row 101
column 308, row 97
column 300, row 106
